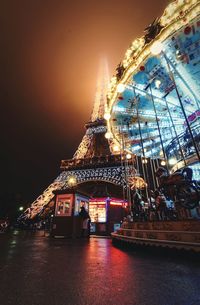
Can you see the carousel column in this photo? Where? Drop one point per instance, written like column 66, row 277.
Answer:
column 175, row 132
column 158, row 126
column 122, row 160
column 153, row 169
column 144, row 160
column 125, row 172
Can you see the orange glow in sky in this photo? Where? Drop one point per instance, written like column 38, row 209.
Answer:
column 50, row 57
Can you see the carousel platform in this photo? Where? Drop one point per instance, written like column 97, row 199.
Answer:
column 183, row 234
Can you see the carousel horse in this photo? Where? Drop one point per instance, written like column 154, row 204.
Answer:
column 179, row 187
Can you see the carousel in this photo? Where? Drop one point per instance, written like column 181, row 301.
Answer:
column 153, row 108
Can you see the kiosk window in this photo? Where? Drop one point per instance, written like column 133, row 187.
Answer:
column 97, row 212
column 64, row 207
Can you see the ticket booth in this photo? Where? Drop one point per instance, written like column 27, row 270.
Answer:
column 106, row 214
column 66, row 221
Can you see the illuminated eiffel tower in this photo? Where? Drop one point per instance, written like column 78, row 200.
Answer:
column 93, row 160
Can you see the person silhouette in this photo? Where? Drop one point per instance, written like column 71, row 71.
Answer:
column 85, row 222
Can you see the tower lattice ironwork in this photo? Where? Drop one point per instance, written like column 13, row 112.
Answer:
column 92, row 161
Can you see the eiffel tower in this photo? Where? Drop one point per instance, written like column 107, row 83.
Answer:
column 92, row 162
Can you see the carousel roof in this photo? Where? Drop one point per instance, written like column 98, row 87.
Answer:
column 157, row 85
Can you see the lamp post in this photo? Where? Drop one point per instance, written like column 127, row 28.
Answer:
column 156, row 49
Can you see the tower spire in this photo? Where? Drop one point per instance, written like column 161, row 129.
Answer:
column 96, row 124
column 101, row 91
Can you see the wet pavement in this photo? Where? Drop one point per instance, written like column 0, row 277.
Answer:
column 38, row 270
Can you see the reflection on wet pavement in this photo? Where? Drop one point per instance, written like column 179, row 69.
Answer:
column 37, row 270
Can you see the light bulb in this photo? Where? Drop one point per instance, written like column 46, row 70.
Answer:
column 128, row 156
column 107, row 135
column 172, row 161
column 120, row 88
column 157, row 83
column 156, row 48
column 107, row 116
column 116, row 148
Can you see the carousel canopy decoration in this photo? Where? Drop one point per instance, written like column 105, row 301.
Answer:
column 156, row 90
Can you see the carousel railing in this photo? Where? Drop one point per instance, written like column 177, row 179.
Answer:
column 182, row 146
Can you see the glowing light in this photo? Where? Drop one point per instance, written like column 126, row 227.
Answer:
column 156, row 48
column 137, row 182
column 128, row 156
column 21, row 208
column 116, row 148
column 145, row 161
column 107, row 116
column 118, row 203
column 161, row 154
column 163, row 162
column 107, row 135
column 120, row 88
column 157, row 83
column 172, row 161
column 71, row 180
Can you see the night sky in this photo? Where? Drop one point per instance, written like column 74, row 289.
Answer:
column 50, row 55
